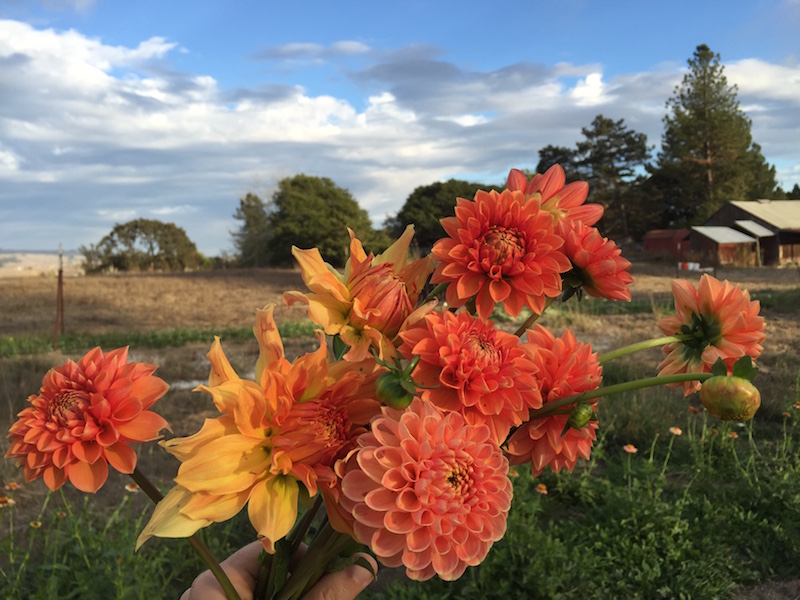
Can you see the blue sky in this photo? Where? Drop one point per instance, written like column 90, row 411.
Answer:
column 111, row 111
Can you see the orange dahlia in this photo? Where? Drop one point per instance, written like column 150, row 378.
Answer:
column 287, row 427
column 501, row 247
column 597, row 264
column 564, row 202
column 474, row 369
column 722, row 322
column 426, row 490
column 368, row 304
column 84, row 417
column 566, row 367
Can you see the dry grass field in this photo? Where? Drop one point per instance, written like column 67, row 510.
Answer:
column 229, row 298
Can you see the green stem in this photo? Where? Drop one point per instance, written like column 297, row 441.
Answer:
column 654, row 343
column 434, row 292
column 532, row 319
column 553, row 407
column 199, row 547
column 328, row 544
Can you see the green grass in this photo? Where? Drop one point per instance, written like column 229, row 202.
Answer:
column 26, row 345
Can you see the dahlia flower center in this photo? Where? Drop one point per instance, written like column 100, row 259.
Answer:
column 67, row 404
column 333, row 425
column 460, row 478
column 482, row 348
column 504, row 246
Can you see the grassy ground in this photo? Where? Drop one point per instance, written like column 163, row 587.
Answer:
column 706, row 514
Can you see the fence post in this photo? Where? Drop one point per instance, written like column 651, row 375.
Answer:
column 59, row 328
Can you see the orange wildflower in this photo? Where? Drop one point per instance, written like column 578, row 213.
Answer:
column 630, row 448
column 541, row 489
column 35, row 524
column 564, row 202
column 597, row 264
column 566, row 367
column 500, row 248
column 473, row 368
column 83, row 419
column 6, row 501
column 676, row 431
column 426, row 490
column 285, row 428
column 369, row 304
column 12, row 486
column 722, row 321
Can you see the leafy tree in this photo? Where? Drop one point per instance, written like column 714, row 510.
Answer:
column 252, row 238
column 794, row 194
column 141, row 245
column 313, row 212
column 611, row 158
column 426, row 206
column 708, row 156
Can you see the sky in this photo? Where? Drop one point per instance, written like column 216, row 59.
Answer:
column 112, row 111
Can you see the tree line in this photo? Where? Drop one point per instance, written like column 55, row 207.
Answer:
column 707, row 158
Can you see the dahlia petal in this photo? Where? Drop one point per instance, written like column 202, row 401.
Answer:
column 121, row 457
column 168, row 521
column 53, row 477
column 272, row 508
column 386, row 543
column 88, row 477
column 143, row 428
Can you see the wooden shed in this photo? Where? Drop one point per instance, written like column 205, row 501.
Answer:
column 723, row 246
column 775, row 224
column 667, row 243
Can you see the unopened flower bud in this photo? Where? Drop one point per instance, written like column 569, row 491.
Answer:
column 730, row 398
column 394, row 389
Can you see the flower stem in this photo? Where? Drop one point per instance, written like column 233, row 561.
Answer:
column 532, row 319
column 199, row 547
column 553, row 407
column 644, row 345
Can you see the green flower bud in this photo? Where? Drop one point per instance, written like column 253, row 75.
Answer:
column 730, row 398
column 392, row 389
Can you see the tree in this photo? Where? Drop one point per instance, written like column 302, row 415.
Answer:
column 559, row 155
column 426, row 206
column 141, row 245
column 611, row 158
column 313, row 212
column 252, row 238
column 794, row 194
column 707, row 156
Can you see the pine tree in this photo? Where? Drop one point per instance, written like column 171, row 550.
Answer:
column 707, row 153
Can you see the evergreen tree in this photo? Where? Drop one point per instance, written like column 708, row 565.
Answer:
column 252, row 238
column 611, row 159
column 560, row 155
column 707, row 156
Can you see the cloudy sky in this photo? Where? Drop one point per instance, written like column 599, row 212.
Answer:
column 111, row 111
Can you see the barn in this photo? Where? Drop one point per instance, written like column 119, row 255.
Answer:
column 774, row 225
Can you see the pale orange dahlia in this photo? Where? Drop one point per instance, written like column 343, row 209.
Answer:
column 564, row 202
column 288, row 427
column 426, row 490
column 473, row 368
column 597, row 264
column 501, row 248
column 84, row 417
column 566, row 367
column 371, row 301
column 722, row 321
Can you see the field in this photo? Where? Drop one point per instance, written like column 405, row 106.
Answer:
column 136, row 306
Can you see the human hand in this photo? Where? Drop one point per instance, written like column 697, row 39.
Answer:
column 242, row 569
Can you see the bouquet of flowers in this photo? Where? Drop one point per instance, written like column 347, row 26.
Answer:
column 404, row 422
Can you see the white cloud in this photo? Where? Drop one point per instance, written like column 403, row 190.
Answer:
column 92, row 134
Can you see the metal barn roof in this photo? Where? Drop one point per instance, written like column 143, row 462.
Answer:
column 781, row 214
column 724, row 235
column 754, row 229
